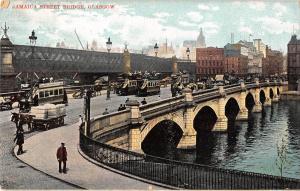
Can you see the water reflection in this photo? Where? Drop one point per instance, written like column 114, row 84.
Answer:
column 251, row 145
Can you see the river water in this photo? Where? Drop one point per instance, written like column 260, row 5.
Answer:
column 252, row 145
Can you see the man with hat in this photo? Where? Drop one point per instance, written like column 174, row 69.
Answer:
column 61, row 156
column 19, row 139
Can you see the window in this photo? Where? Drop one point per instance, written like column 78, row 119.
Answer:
column 41, row 94
column 51, row 92
column 60, row 92
column 47, row 93
column 55, row 92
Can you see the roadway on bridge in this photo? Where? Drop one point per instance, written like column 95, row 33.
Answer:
column 17, row 175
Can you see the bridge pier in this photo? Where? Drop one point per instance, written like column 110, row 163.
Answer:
column 188, row 139
column 268, row 101
column 243, row 113
column 221, row 123
column 135, row 142
column 257, row 107
column 275, row 98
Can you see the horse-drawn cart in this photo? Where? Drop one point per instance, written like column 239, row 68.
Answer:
column 41, row 117
column 48, row 123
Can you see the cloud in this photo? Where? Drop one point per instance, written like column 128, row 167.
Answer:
column 187, row 24
column 205, row 7
column 195, row 16
column 279, row 9
column 257, row 5
column 236, row 3
column 245, row 29
column 161, row 14
column 276, row 26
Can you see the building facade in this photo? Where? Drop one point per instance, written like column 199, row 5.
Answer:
column 260, row 47
column 236, row 65
column 273, row 63
column 209, row 61
column 293, row 61
column 235, row 59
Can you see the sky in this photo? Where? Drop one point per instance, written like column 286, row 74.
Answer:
column 143, row 23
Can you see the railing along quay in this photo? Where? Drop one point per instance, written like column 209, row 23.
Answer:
column 180, row 174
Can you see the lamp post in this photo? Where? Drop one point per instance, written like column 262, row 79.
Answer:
column 108, row 46
column 32, row 40
column 156, row 49
column 87, row 111
column 188, row 53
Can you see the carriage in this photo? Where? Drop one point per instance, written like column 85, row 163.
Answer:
column 41, row 117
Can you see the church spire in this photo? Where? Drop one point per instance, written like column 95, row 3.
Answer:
column 200, row 40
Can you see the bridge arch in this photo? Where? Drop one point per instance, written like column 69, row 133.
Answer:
column 162, row 138
column 205, row 119
column 250, row 101
column 271, row 93
column 262, row 96
column 176, row 118
column 232, row 109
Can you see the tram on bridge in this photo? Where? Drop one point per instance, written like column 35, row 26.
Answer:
column 138, row 84
column 150, row 85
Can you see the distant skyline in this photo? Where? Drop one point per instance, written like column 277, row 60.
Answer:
column 143, row 23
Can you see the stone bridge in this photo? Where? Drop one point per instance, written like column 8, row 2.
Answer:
column 190, row 113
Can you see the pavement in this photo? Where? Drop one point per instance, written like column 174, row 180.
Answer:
column 15, row 174
column 40, row 153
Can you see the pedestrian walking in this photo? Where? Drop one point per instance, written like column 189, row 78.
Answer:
column 19, row 139
column 61, row 156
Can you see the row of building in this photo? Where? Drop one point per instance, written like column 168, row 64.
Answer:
column 241, row 58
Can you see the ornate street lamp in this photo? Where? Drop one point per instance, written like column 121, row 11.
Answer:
column 108, row 46
column 156, row 49
column 32, row 40
column 188, row 53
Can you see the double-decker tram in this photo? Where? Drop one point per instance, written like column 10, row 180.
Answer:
column 150, row 85
column 51, row 92
column 128, row 84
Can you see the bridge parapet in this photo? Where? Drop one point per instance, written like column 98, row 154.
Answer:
column 159, row 107
column 106, row 124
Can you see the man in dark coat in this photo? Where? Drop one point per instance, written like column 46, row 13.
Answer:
column 19, row 139
column 61, row 156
